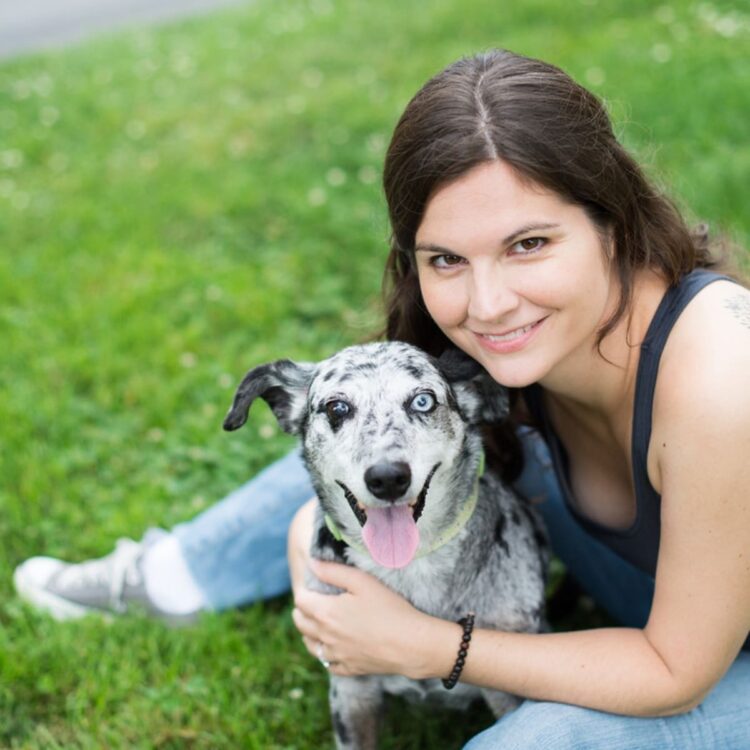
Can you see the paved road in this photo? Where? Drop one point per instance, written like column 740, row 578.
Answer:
column 28, row 25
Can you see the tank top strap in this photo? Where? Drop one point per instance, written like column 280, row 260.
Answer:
column 669, row 310
column 639, row 544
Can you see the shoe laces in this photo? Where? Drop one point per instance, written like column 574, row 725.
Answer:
column 113, row 572
column 125, row 571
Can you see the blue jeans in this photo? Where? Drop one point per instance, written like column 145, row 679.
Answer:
column 236, row 551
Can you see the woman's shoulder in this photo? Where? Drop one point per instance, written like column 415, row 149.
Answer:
column 715, row 322
column 706, row 359
column 702, row 398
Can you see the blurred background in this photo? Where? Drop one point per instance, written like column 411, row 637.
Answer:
column 48, row 24
column 184, row 199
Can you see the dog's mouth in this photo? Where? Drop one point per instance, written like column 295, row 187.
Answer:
column 390, row 534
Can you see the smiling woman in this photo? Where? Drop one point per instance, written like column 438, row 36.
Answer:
column 524, row 234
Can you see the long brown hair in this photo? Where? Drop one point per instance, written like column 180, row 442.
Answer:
column 552, row 132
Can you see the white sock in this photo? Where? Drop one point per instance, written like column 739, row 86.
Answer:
column 169, row 583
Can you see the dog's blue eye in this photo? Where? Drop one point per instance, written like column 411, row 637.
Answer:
column 423, row 403
column 337, row 410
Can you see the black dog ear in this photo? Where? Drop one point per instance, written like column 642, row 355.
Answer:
column 481, row 399
column 282, row 385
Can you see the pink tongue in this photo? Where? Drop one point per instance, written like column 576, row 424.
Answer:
column 391, row 535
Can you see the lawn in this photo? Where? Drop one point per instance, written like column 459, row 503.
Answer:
column 181, row 203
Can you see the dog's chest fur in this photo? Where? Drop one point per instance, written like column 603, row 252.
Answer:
column 494, row 567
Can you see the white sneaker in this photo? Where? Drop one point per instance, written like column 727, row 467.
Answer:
column 108, row 585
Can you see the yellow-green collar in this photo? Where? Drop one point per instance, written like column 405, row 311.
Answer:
column 460, row 521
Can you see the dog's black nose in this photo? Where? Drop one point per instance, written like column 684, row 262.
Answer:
column 388, row 481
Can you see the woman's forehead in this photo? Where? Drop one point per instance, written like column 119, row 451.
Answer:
column 491, row 196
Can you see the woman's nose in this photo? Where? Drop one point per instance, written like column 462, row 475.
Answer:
column 490, row 296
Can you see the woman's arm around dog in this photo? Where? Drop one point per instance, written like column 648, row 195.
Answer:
column 701, row 609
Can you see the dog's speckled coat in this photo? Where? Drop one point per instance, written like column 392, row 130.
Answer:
column 494, row 566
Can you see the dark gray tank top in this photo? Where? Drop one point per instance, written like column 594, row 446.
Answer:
column 639, row 544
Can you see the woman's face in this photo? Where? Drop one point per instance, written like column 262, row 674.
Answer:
column 514, row 275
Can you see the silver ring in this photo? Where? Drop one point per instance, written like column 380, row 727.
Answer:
column 322, row 658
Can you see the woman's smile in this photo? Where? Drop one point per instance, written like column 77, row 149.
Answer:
column 510, row 341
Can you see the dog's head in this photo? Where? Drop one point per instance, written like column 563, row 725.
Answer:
column 390, row 436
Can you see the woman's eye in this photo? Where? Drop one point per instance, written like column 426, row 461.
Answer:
column 337, row 410
column 445, row 261
column 423, row 402
column 529, row 245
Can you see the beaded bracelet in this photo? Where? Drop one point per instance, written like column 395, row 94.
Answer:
column 467, row 623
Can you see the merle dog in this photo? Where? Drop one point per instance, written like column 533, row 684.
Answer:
column 392, row 441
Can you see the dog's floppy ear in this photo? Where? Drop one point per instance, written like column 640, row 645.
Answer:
column 480, row 398
column 282, row 385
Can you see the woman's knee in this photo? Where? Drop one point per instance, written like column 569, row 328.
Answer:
column 547, row 726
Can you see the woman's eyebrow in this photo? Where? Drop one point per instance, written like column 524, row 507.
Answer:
column 532, row 227
column 430, row 248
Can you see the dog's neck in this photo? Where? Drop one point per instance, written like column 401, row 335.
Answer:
column 442, row 539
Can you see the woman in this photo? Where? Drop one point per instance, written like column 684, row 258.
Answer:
column 526, row 236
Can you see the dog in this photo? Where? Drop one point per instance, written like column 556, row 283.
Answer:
column 392, row 440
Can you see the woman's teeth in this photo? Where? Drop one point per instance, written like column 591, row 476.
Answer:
column 509, row 336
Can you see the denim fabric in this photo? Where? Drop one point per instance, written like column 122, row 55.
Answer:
column 615, row 584
column 236, row 551
column 721, row 722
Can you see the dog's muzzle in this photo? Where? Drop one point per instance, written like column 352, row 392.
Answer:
column 390, row 533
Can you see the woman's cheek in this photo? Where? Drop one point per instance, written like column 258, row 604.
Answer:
column 444, row 302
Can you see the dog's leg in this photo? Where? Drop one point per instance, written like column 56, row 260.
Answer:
column 356, row 704
column 500, row 703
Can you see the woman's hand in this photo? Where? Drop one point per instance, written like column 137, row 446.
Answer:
column 368, row 629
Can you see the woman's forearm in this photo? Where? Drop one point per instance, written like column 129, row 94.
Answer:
column 609, row 669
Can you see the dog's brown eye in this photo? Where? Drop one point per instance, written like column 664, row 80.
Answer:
column 337, row 410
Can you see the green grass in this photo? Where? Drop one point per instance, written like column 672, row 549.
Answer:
column 181, row 203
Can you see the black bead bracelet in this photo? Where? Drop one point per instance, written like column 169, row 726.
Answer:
column 467, row 623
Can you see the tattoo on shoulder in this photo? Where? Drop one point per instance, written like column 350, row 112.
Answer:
column 739, row 306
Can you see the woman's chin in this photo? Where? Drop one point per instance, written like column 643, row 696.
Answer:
column 512, row 375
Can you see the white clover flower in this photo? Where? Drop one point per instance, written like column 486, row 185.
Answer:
column 214, row 293
column 367, row 175
column 317, row 196
column 661, row 52
column 665, row 14
column 312, row 78
column 135, row 129
column 595, row 76
column 48, row 116
column 58, row 162
column 188, row 360
column 296, row 104
column 336, row 177
column 11, row 159
column 155, row 435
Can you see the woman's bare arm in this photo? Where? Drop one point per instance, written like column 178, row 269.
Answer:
column 701, row 610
